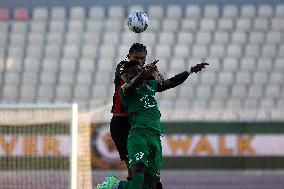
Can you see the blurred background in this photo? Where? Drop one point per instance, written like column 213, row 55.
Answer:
column 223, row 126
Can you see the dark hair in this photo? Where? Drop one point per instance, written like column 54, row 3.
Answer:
column 137, row 47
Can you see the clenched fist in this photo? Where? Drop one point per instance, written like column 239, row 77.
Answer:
column 198, row 67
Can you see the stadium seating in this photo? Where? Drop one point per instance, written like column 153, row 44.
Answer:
column 69, row 55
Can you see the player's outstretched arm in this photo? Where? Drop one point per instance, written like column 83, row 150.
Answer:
column 179, row 78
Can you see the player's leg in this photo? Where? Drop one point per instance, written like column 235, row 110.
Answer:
column 159, row 185
column 150, row 179
column 140, row 180
column 138, row 157
column 138, row 172
column 144, row 149
column 155, row 159
column 119, row 129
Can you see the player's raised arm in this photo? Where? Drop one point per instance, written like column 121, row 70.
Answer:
column 179, row 78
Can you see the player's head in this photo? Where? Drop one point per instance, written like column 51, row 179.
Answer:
column 138, row 52
column 130, row 69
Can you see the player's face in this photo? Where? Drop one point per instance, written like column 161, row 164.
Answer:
column 138, row 56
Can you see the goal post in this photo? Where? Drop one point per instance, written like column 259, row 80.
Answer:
column 44, row 146
column 74, row 148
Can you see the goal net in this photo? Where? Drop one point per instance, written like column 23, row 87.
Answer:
column 44, row 147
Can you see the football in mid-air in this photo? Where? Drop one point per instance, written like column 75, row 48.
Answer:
column 137, row 22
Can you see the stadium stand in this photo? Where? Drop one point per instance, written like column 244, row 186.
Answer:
column 65, row 55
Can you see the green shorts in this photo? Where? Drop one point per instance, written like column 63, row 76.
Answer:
column 144, row 146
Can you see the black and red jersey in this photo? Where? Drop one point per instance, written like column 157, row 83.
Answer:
column 117, row 106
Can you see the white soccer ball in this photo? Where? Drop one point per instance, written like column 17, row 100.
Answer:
column 138, row 22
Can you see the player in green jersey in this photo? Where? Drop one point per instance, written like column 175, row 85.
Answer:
column 143, row 143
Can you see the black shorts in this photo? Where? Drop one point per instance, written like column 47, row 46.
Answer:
column 119, row 129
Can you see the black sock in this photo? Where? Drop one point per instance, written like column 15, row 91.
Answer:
column 159, row 185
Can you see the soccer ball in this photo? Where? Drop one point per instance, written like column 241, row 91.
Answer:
column 138, row 22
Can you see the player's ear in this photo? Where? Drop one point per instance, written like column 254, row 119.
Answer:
column 128, row 56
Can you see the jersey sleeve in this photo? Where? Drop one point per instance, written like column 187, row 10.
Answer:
column 173, row 81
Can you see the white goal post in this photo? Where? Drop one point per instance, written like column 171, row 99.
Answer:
column 39, row 146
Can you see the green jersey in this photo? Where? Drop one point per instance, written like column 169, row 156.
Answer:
column 142, row 106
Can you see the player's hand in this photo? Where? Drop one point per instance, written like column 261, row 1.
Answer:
column 155, row 62
column 198, row 67
column 152, row 66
